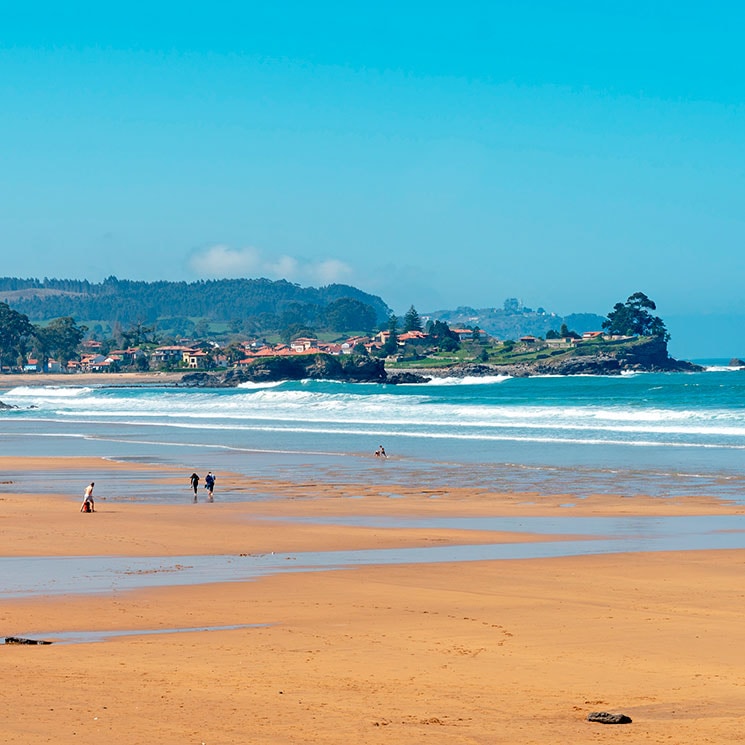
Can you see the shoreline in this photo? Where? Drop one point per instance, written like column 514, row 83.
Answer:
column 8, row 381
column 518, row 650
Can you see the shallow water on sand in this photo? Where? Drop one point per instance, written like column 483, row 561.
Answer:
column 33, row 576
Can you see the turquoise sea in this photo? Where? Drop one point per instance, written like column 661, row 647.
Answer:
column 662, row 434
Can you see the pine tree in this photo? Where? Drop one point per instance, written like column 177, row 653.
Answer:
column 412, row 321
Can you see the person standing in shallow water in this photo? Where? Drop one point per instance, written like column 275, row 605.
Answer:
column 194, row 479
column 209, row 485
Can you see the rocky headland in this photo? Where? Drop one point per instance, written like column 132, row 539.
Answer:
column 643, row 355
column 351, row 368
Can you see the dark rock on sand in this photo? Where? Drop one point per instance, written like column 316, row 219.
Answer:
column 21, row 640
column 603, row 717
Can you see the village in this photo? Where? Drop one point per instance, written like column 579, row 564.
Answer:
column 210, row 355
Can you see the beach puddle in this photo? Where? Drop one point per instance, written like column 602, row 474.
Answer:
column 22, row 577
column 91, row 637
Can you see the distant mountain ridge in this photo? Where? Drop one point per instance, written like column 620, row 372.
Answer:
column 513, row 320
column 127, row 302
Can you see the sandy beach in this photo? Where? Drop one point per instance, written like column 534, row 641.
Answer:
column 101, row 379
column 474, row 652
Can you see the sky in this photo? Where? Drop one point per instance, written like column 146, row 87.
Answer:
column 437, row 154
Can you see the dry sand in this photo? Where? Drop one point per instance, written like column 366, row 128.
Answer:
column 480, row 652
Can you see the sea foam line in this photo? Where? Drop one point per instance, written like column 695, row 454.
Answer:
column 589, row 425
column 393, row 433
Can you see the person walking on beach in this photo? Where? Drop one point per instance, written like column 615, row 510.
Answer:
column 209, row 485
column 194, row 479
column 88, row 503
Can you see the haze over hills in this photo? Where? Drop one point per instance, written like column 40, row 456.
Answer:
column 247, row 305
column 258, row 304
column 514, row 320
column 254, row 306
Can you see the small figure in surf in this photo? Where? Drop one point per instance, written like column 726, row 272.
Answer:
column 194, row 480
column 380, row 452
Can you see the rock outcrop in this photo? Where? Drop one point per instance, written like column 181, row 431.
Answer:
column 641, row 355
column 351, row 368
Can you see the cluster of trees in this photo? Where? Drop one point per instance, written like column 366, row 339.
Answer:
column 633, row 318
column 248, row 305
column 19, row 338
column 61, row 337
column 440, row 336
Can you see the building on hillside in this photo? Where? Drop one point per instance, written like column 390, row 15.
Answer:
column 196, row 359
column 305, row 344
column 329, row 348
column 563, row 341
column 412, row 336
column 128, row 356
column 92, row 362
column 347, row 346
column 463, row 334
column 168, row 356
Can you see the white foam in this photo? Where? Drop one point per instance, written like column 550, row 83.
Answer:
column 43, row 391
column 467, row 380
column 253, row 385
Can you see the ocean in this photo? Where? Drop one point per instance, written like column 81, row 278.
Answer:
column 657, row 434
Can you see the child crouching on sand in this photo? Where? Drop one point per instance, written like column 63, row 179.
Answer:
column 88, row 504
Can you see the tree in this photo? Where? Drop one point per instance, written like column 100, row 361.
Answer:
column 391, row 343
column 59, row 338
column 445, row 339
column 14, row 329
column 565, row 333
column 348, row 314
column 633, row 318
column 412, row 321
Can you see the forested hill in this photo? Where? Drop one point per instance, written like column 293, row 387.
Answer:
column 127, row 302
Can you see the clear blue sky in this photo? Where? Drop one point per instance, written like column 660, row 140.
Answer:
column 441, row 154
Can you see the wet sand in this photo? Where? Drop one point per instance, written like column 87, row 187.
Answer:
column 8, row 381
column 515, row 651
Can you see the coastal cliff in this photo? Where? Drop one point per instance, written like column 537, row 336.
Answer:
column 638, row 355
column 647, row 354
column 352, row 368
